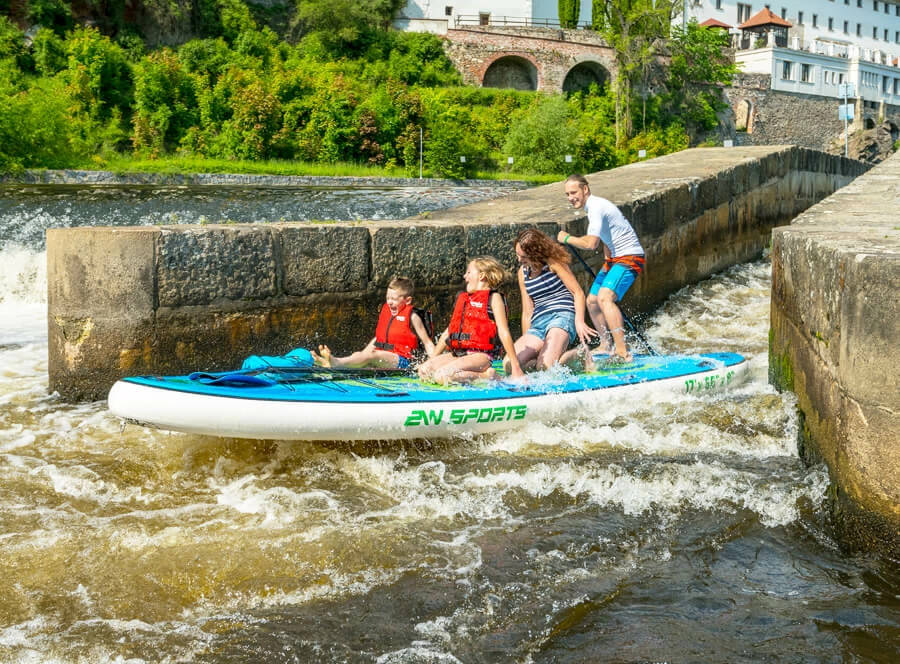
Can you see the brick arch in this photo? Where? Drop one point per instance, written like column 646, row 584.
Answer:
column 512, row 70
column 585, row 73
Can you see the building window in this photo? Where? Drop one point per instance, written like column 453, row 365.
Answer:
column 784, row 12
column 786, row 68
column 743, row 12
column 897, row 86
column 806, row 73
column 875, row 5
column 815, row 20
column 448, row 11
column 484, row 18
column 718, row 4
column 897, row 34
column 830, row 24
column 859, row 3
column 859, row 29
column 887, row 8
column 846, row 27
column 800, row 18
column 885, row 34
column 875, row 32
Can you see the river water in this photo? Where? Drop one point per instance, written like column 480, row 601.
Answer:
column 681, row 529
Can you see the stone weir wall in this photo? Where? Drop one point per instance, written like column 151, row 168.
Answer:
column 834, row 342
column 173, row 299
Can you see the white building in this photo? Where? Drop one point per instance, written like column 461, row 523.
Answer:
column 439, row 15
column 830, row 42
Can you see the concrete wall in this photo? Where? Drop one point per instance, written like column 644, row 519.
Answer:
column 834, row 342
column 176, row 299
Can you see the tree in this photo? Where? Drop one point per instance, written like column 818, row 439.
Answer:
column 343, row 25
column 541, row 136
column 99, row 73
column 568, row 13
column 165, row 105
column 632, row 28
column 700, row 66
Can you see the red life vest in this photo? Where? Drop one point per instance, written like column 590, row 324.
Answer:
column 395, row 333
column 472, row 325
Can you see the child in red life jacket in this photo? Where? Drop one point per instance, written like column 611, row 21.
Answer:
column 478, row 332
column 401, row 332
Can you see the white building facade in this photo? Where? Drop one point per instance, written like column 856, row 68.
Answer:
column 439, row 15
column 830, row 42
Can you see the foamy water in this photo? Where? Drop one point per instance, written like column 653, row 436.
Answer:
column 623, row 536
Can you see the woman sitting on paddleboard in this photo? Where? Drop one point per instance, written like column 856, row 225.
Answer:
column 552, row 301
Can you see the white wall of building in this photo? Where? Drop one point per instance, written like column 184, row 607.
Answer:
column 522, row 12
column 869, row 24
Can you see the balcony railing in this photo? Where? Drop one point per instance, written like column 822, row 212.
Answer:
column 487, row 19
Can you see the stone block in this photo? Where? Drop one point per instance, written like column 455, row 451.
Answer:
column 100, row 294
column 432, row 254
column 100, row 271
column 200, row 266
column 325, row 258
column 498, row 240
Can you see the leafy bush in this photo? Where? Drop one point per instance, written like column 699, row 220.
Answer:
column 53, row 14
column 49, row 52
column 541, row 136
column 99, row 73
column 36, row 125
column 165, row 103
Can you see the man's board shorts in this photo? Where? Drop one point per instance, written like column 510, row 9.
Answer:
column 618, row 279
column 402, row 362
column 564, row 320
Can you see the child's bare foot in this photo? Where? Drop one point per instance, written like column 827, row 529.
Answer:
column 488, row 374
column 587, row 359
column 323, row 357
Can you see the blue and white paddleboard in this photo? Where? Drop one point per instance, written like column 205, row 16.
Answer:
column 311, row 403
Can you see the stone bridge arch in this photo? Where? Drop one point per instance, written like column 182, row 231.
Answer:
column 516, row 71
column 584, row 74
column 562, row 60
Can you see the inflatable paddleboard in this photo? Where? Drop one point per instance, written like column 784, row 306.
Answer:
column 297, row 402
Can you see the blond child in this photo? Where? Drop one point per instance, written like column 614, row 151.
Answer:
column 478, row 332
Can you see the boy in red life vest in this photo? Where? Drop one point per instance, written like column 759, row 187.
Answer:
column 401, row 331
column 478, row 332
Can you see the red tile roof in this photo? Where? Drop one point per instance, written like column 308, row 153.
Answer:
column 715, row 23
column 763, row 18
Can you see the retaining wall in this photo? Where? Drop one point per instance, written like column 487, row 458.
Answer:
column 835, row 342
column 173, row 299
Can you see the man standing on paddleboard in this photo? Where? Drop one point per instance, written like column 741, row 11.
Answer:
column 624, row 262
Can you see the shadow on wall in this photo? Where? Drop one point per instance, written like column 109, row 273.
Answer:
column 584, row 75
